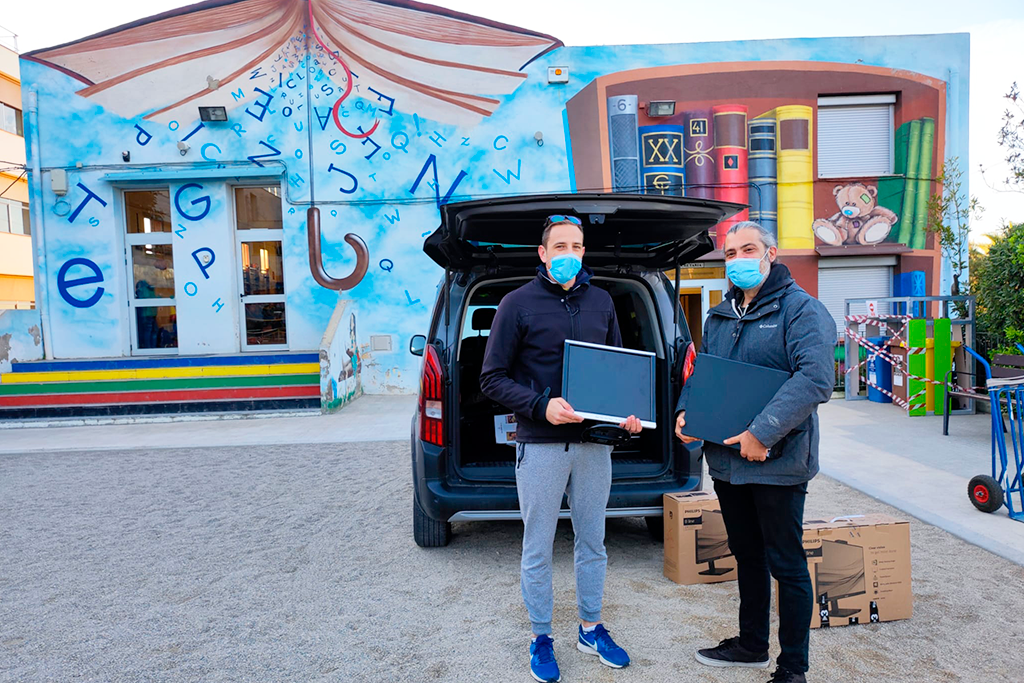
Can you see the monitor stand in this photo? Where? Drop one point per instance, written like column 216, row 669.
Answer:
column 837, row 612
column 715, row 571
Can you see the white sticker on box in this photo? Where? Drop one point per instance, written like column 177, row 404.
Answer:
column 897, row 378
column 505, row 429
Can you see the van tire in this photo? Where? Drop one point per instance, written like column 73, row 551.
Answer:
column 656, row 528
column 428, row 532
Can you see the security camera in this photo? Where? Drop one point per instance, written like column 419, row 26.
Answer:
column 183, row 147
column 126, row 156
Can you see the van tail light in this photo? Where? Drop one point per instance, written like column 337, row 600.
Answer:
column 432, row 398
column 688, row 362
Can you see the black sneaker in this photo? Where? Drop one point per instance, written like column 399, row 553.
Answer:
column 729, row 652
column 782, row 675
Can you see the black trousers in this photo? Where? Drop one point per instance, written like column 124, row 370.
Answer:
column 765, row 526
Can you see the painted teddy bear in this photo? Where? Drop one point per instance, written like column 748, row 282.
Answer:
column 860, row 220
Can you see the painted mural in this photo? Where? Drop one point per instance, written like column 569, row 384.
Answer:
column 357, row 119
column 745, row 133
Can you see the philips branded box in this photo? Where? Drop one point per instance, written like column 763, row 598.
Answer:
column 696, row 544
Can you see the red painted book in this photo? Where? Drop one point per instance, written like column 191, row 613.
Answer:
column 730, row 126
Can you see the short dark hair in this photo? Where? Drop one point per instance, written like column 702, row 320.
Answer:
column 547, row 231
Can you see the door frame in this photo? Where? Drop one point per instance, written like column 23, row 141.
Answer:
column 257, row 235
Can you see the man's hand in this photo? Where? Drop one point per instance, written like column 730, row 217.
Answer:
column 680, row 423
column 750, row 448
column 561, row 413
column 632, row 425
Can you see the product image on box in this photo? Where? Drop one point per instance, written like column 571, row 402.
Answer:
column 712, row 543
column 840, row 574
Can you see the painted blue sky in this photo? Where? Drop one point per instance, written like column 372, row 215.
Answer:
column 995, row 27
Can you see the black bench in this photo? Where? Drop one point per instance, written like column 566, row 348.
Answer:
column 1001, row 367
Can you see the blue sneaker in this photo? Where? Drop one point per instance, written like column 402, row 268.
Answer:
column 599, row 642
column 543, row 666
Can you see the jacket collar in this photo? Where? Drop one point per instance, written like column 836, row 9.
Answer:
column 582, row 280
column 778, row 280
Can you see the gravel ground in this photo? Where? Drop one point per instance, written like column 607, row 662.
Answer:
column 296, row 563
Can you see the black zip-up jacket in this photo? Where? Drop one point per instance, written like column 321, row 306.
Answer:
column 522, row 367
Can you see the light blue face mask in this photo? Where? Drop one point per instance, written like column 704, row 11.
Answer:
column 564, row 268
column 745, row 273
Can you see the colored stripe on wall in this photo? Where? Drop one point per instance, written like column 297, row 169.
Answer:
column 163, row 362
column 21, row 389
column 115, row 398
column 162, row 373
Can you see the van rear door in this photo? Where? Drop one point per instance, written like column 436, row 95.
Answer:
column 649, row 231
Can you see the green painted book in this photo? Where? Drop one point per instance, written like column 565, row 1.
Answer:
column 924, row 184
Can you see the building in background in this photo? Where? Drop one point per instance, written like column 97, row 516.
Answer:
column 16, row 290
column 235, row 183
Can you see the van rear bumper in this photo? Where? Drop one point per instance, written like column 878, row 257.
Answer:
column 461, row 503
column 507, row 515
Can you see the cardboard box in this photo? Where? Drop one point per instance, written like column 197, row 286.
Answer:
column 696, row 544
column 860, row 570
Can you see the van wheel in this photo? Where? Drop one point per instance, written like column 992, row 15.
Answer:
column 428, row 532
column 656, row 528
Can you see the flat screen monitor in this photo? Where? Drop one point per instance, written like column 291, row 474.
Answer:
column 712, row 542
column 608, row 383
column 840, row 574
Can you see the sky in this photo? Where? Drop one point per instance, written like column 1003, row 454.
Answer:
column 996, row 28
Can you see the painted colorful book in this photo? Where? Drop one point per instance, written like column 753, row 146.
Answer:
column 924, row 184
column 698, row 126
column 910, row 195
column 891, row 188
column 661, row 157
column 624, row 143
column 795, row 176
column 762, row 169
column 730, row 161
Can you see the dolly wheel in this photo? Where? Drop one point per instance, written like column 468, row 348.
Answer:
column 986, row 493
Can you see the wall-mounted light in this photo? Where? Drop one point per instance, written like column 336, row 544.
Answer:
column 558, row 74
column 539, row 137
column 213, row 114
column 183, row 147
column 659, row 108
column 126, row 156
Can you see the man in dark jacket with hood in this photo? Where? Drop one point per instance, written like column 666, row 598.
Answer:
column 767, row 319
column 522, row 371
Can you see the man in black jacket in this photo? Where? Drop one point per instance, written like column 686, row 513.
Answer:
column 767, row 319
column 522, row 371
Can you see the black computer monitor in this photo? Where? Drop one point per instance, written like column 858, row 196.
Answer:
column 609, row 383
column 712, row 543
column 840, row 574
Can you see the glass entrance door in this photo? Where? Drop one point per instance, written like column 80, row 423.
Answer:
column 152, row 312
column 259, row 233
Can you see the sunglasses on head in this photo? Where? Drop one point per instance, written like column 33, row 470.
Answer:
column 551, row 220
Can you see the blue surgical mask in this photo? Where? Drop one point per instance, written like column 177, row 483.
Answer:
column 564, row 268
column 745, row 273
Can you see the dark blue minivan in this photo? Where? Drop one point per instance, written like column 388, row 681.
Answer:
column 462, row 464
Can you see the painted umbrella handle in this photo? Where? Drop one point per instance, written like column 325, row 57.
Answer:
column 316, row 261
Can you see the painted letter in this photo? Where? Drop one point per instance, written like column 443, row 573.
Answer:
column 205, row 200
column 63, row 284
column 89, row 195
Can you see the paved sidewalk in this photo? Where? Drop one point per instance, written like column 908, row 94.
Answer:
column 368, row 418
column 908, row 463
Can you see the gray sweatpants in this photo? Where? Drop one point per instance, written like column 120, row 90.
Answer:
column 583, row 472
